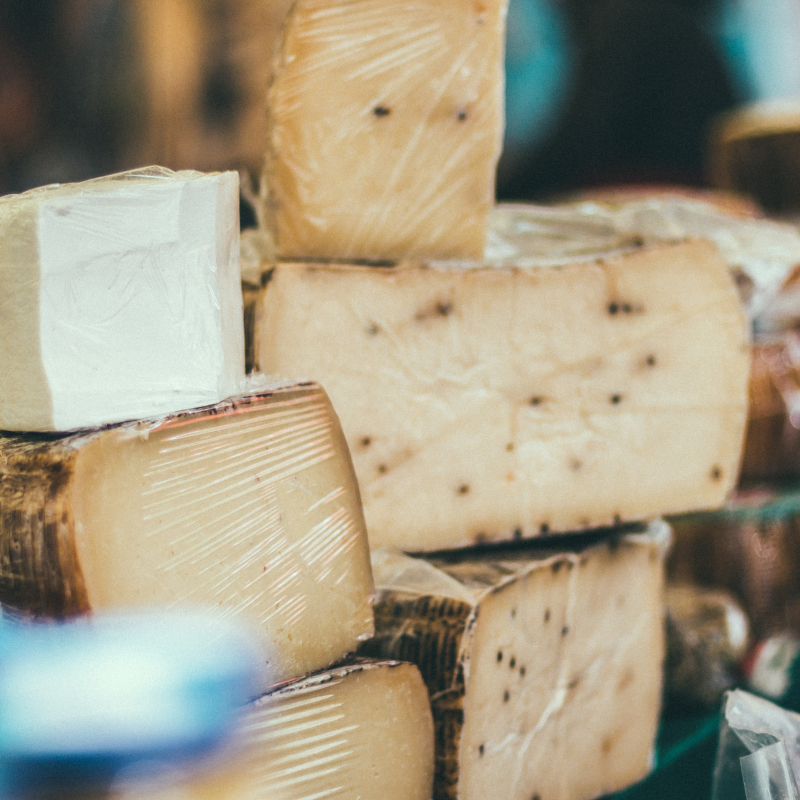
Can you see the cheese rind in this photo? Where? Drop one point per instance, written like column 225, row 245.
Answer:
column 121, row 299
column 490, row 402
column 250, row 507
column 534, row 662
column 399, row 160
column 361, row 730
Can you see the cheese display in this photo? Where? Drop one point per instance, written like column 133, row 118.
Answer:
column 544, row 669
column 573, row 380
column 750, row 548
column 121, row 299
column 249, row 507
column 385, row 124
column 355, row 732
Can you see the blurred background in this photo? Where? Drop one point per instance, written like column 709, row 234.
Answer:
column 598, row 91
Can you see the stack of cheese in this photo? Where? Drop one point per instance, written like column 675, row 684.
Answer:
column 138, row 468
column 501, row 374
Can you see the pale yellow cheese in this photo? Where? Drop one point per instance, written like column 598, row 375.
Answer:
column 571, row 382
column 356, row 732
column 385, row 124
column 249, row 507
column 544, row 668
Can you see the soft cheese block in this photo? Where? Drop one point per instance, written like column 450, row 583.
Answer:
column 360, row 731
column 249, row 507
column 544, row 669
column 537, row 393
column 385, row 124
column 120, row 299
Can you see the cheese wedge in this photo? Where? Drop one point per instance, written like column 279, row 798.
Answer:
column 544, row 669
column 355, row 732
column 573, row 382
column 121, row 299
column 385, row 124
column 249, row 507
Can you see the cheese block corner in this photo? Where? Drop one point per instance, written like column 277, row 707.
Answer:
column 578, row 379
column 249, row 507
column 544, row 668
column 399, row 160
column 121, row 299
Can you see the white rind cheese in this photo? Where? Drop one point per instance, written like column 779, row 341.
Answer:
column 249, row 507
column 385, row 124
column 361, row 731
column 121, row 299
column 544, row 669
column 491, row 402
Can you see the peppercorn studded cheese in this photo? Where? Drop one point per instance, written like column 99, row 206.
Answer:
column 544, row 669
column 249, row 507
column 385, row 124
column 574, row 381
column 120, row 299
column 355, row 732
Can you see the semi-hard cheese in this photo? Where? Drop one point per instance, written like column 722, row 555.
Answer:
column 544, row 669
column 361, row 731
column 385, row 124
column 249, row 507
column 572, row 382
column 120, row 299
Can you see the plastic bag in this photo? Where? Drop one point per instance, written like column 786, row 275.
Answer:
column 758, row 756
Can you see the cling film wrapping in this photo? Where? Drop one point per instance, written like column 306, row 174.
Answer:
column 399, row 160
column 121, row 299
column 515, row 645
column 249, row 507
column 359, row 730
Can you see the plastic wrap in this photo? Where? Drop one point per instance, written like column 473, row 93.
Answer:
column 361, row 730
column 751, row 548
column 575, row 380
column 399, row 160
column 121, row 299
column 758, row 757
column 533, row 658
column 707, row 636
column 250, row 507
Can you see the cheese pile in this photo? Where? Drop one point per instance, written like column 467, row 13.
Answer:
column 536, row 383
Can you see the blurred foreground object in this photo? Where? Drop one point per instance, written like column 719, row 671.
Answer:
column 756, row 150
column 758, row 757
column 83, row 702
column 751, row 548
column 707, row 634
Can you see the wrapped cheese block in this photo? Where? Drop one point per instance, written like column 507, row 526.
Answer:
column 750, row 548
column 357, row 731
column 249, row 506
column 544, row 669
column 385, row 124
column 121, row 299
column 574, row 380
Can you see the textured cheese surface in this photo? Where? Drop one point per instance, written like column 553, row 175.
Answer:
column 249, row 507
column 385, row 123
column 361, row 732
column 121, row 299
column 544, row 670
column 487, row 403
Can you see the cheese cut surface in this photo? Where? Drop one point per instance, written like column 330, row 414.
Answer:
column 121, row 299
column 494, row 402
column 355, row 732
column 249, row 507
column 385, row 124
column 544, row 670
